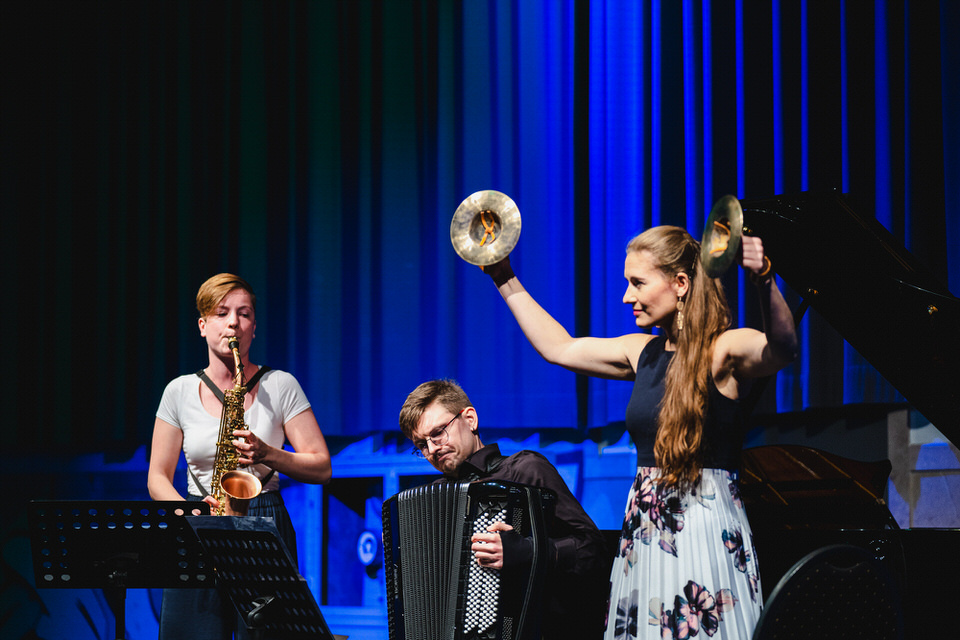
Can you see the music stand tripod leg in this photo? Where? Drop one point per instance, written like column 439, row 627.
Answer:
column 117, row 599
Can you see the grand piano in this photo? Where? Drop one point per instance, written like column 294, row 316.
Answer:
column 906, row 323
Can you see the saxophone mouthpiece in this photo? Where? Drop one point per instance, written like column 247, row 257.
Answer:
column 234, row 343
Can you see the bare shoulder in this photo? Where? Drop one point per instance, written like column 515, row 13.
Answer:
column 741, row 353
column 732, row 340
column 633, row 345
column 732, row 344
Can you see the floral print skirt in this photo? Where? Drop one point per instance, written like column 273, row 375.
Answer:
column 686, row 566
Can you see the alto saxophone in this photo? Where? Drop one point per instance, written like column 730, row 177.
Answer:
column 233, row 489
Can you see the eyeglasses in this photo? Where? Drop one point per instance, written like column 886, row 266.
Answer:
column 439, row 437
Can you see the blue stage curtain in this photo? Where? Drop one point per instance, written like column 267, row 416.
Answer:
column 693, row 100
column 320, row 149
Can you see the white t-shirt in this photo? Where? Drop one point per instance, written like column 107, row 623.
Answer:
column 279, row 399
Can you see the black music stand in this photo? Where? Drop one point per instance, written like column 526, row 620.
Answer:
column 113, row 546
column 254, row 568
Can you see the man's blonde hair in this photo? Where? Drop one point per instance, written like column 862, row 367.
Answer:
column 447, row 392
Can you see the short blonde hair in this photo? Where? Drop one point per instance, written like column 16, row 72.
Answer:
column 216, row 288
column 447, row 392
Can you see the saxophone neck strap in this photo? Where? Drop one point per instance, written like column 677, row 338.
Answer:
column 196, row 481
column 250, row 384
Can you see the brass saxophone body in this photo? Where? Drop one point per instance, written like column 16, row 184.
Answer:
column 232, row 488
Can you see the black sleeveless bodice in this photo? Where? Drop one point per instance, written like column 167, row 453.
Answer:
column 723, row 430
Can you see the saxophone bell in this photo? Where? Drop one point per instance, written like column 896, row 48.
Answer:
column 238, row 487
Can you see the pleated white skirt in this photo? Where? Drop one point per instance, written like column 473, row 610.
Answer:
column 686, row 567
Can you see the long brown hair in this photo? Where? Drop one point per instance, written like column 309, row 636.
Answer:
column 705, row 316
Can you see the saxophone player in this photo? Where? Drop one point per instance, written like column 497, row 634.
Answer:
column 188, row 420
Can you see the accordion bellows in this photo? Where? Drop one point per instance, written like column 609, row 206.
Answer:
column 436, row 590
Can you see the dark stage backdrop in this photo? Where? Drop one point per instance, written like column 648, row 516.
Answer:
column 320, row 148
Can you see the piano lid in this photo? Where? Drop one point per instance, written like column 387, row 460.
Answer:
column 877, row 296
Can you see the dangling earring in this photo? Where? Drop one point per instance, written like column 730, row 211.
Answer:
column 679, row 313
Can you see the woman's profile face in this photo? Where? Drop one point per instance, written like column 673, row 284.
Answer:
column 651, row 294
column 232, row 317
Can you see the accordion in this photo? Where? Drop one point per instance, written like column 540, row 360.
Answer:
column 436, row 590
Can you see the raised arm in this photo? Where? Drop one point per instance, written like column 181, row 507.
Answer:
column 754, row 354
column 601, row 357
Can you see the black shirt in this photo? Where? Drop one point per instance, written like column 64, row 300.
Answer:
column 578, row 566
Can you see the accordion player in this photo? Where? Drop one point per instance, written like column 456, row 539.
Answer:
column 435, row 588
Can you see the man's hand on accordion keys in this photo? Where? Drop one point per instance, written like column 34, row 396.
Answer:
column 488, row 547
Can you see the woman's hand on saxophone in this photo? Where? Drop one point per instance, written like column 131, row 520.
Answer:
column 252, row 449
column 214, row 504
column 309, row 461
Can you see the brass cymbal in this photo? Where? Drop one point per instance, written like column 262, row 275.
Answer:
column 485, row 227
column 721, row 236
